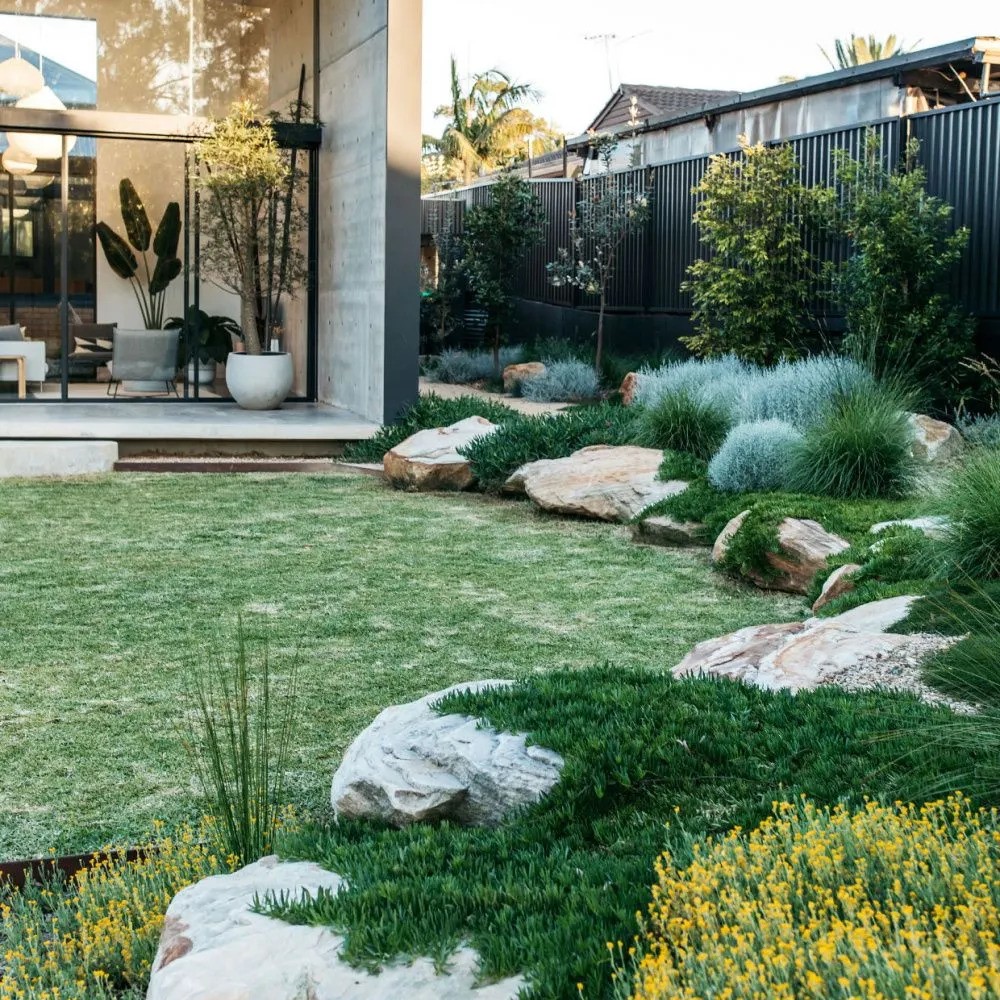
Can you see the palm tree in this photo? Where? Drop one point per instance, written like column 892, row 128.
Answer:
column 860, row 50
column 487, row 126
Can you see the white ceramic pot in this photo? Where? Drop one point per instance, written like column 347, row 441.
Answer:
column 259, row 381
column 206, row 373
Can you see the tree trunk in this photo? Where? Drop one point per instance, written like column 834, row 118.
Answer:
column 599, row 354
column 249, row 321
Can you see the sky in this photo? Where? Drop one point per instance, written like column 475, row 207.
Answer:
column 724, row 44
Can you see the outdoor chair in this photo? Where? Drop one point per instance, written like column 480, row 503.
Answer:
column 148, row 357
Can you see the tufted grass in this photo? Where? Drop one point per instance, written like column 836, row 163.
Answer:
column 110, row 588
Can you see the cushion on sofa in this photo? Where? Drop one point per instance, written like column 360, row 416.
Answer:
column 11, row 332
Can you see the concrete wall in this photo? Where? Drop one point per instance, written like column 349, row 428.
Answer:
column 369, row 188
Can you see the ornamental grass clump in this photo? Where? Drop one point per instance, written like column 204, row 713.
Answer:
column 860, row 448
column 457, row 367
column 755, row 456
column 971, row 503
column 880, row 903
column 681, row 421
column 563, row 382
column 94, row 936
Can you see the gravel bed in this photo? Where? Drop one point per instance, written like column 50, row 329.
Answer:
column 900, row 671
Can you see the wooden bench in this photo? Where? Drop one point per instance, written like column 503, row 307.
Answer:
column 22, row 380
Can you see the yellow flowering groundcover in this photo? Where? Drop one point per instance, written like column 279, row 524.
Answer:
column 95, row 936
column 881, row 903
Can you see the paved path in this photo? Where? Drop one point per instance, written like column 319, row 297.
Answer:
column 447, row 391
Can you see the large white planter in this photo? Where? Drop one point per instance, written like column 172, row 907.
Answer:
column 259, row 381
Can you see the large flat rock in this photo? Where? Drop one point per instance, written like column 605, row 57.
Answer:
column 413, row 765
column 40, row 459
column 213, row 948
column 429, row 460
column 800, row 656
column 605, row 482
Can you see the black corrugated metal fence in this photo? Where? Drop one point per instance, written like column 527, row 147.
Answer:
column 959, row 148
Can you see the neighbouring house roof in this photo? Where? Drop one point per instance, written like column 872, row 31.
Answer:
column 652, row 102
column 947, row 74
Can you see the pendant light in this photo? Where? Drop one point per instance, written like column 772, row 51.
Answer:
column 18, row 77
column 17, row 162
column 42, row 146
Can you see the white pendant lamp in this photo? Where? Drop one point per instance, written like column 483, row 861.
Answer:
column 18, row 162
column 42, row 146
column 18, row 77
column 36, row 182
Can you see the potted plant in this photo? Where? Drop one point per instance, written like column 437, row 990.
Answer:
column 205, row 342
column 129, row 258
column 253, row 228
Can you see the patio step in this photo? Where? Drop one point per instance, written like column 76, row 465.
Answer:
column 41, row 459
column 231, row 466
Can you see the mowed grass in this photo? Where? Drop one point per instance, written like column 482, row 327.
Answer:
column 112, row 589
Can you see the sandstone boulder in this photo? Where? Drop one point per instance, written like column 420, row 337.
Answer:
column 604, row 482
column 801, row 656
column 934, row 441
column 429, row 460
column 668, row 532
column 514, row 375
column 629, row 387
column 413, row 765
column 213, row 948
column 838, row 583
column 803, row 549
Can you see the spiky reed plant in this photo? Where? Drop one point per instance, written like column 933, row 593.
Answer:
column 241, row 746
column 971, row 503
column 681, row 421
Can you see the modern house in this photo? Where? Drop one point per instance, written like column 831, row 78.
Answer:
column 96, row 91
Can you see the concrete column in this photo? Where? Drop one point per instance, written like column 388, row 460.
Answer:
column 369, row 185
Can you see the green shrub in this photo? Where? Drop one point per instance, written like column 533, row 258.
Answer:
column 429, row 411
column 955, row 610
column 971, row 502
column 682, row 422
column 752, row 289
column 980, row 431
column 524, row 439
column 901, row 316
column 754, row 456
column 681, row 465
column 860, row 448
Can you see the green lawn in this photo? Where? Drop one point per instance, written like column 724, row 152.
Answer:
column 111, row 588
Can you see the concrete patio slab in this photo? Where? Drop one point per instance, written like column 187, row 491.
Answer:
column 42, row 459
column 203, row 422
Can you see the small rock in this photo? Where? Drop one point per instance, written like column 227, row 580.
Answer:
column 414, row 765
column 429, row 460
column 629, row 387
column 838, row 583
column 665, row 531
column 804, row 547
column 214, row 948
column 934, row 441
column 603, row 482
column 932, row 527
column 514, row 375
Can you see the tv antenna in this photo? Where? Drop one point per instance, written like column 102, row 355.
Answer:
column 608, row 39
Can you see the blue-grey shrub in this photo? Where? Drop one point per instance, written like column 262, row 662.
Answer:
column 755, row 456
column 799, row 392
column 718, row 381
column 562, row 382
column 796, row 392
column 460, row 367
column 980, row 431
